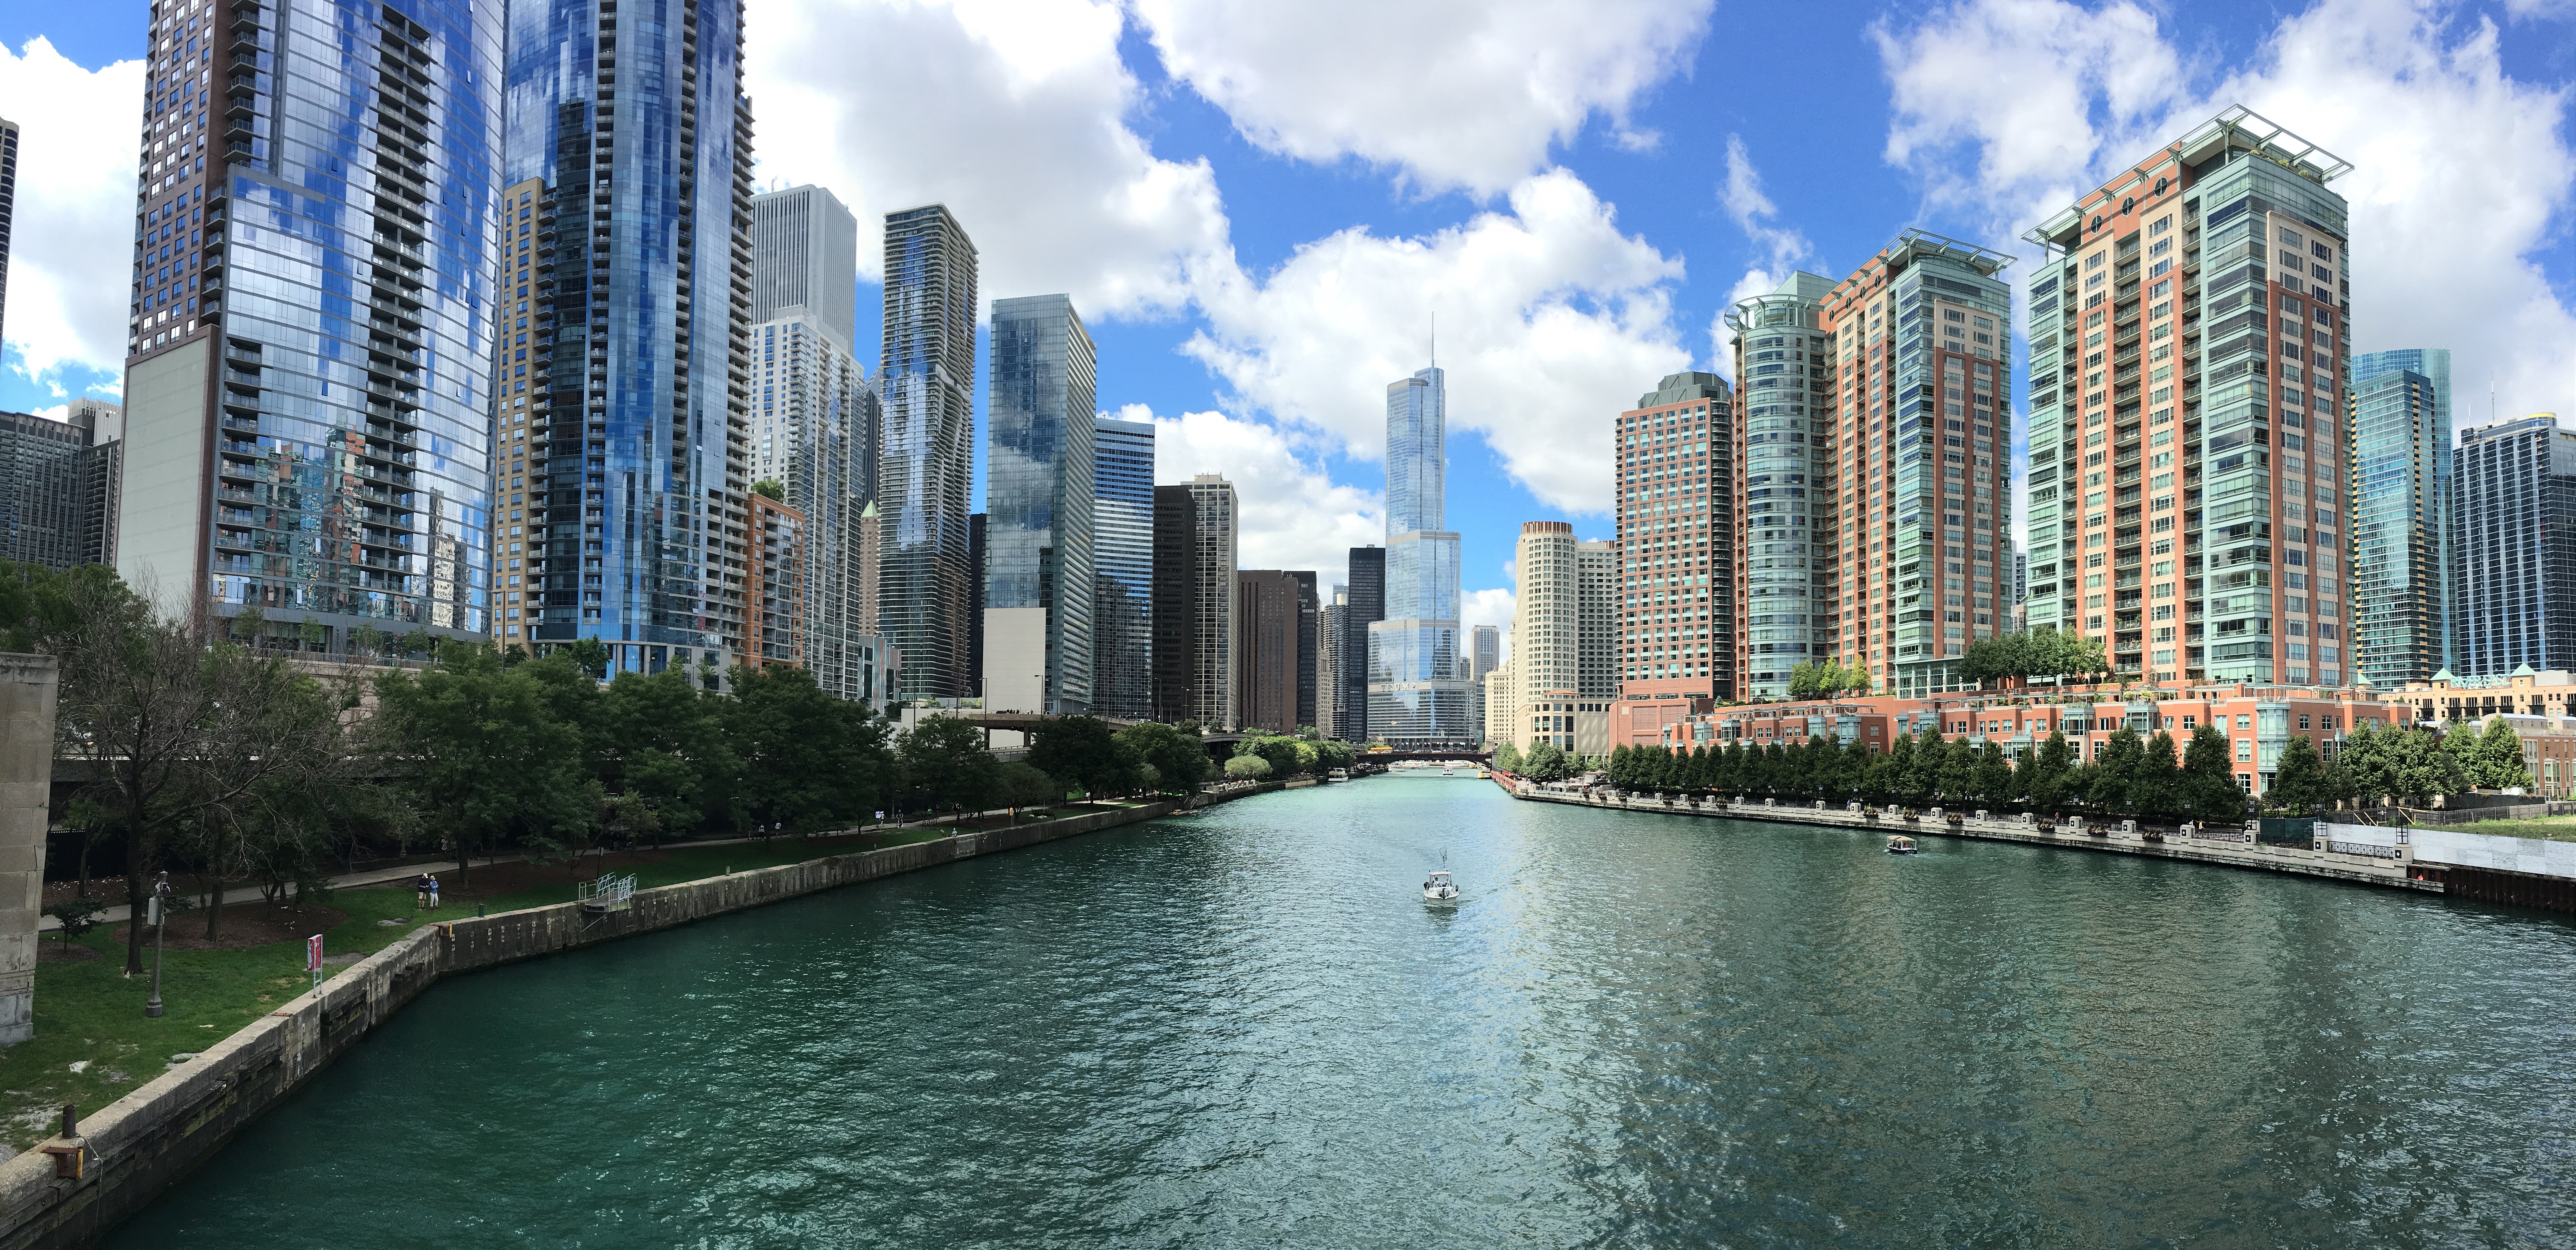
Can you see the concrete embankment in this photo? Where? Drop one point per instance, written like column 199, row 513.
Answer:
column 2397, row 870
column 129, row 1151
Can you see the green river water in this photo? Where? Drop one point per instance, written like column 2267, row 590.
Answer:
column 1245, row 1028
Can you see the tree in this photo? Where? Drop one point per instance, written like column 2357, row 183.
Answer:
column 1958, row 766
column 78, row 915
column 1991, row 783
column 945, row 763
column 1507, row 758
column 2109, row 782
column 660, row 742
column 2156, row 789
column 2492, row 760
column 2209, row 778
column 1547, row 762
column 1278, row 749
column 1179, row 759
column 770, row 487
column 2298, row 778
column 485, row 752
column 1021, row 784
column 2047, row 780
column 800, row 764
column 1247, row 768
column 1081, row 752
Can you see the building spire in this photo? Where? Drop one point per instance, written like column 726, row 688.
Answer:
column 1435, row 340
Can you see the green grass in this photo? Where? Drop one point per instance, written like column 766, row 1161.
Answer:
column 2553, row 828
column 93, row 1011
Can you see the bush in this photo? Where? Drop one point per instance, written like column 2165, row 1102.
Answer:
column 1246, row 768
column 78, row 915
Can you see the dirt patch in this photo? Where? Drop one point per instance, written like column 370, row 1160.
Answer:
column 245, row 924
column 57, row 951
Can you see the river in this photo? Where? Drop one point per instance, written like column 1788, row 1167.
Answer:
column 1245, row 1028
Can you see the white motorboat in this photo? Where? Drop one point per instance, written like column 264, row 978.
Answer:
column 1438, row 888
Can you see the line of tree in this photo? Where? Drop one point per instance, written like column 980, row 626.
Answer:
column 210, row 754
column 1544, row 761
column 1820, row 679
column 2041, row 652
column 1281, row 756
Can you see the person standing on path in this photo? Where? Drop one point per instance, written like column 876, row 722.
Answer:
column 433, row 891
column 420, row 888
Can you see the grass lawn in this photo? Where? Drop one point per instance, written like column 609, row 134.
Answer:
column 2554, row 828
column 92, row 1014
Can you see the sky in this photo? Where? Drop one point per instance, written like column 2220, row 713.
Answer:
column 1262, row 209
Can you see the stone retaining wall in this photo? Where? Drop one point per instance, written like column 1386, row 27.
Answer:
column 131, row 1150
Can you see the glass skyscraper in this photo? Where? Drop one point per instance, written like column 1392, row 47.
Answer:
column 2400, row 504
column 313, row 318
column 1122, row 612
column 2514, row 531
column 1782, row 570
column 1418, row 663
column 1038, row 501
column 628, row 363
column 926, row 385
column 813, row 416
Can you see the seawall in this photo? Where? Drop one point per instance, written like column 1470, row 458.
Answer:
column 132, row 1149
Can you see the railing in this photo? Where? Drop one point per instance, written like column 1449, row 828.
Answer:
column 607, row 894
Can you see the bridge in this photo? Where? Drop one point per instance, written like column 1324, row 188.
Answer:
column 1453, row 755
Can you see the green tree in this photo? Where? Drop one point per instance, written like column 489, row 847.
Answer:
column 487, row 756
column 1081, row 752
column 2492, row 760
column 1547, row 762
column 2047, row 781
column 660, row 742
column 1247, row 768
column 2156, row 789
column 2110, row 783
column 1508, row 757
column 1279, row 749
column 1991, row 783
column 806, row 757
column 1957, row 769
column 2209, row 778
column 1179, row 760
column 770, row 487
column 2298, row 778
column 945, row 764
column 1021, row 784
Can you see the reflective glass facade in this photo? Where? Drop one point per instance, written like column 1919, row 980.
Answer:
column 312, row 319
column 2400, row 428
column 1784, row 504
column 2514, row 530
column 1418, row 665
column 1039, row 497
column 1122, row 614
column 633, row 133
column 926, row 383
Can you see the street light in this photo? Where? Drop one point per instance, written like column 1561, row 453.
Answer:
column 160, row 925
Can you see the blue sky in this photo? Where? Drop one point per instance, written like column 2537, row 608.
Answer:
column 1260, row 207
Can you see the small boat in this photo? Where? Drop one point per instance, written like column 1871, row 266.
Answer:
column 1447, row 771
column 1482, row 775
column 1900, row 845
column 1438, row 888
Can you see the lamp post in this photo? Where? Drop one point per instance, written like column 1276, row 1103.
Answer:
column 160, row 925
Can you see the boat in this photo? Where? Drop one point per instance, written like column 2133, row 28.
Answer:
column 1900, row 845
column 1438, row 888
column 1482, row 775
column 1447, row 771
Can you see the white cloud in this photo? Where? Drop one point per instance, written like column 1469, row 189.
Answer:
column 1551, row 322
column 1011, row 114
column 1465, row 94
column 2461, row 180
column 70, row 255
column 1781, row 247
column 1489, row 607
column 1290, row 515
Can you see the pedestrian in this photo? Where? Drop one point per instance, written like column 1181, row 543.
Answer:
column 433, row 891
column 420, row 890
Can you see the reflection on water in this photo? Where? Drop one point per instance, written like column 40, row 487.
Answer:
column 1245, row 1027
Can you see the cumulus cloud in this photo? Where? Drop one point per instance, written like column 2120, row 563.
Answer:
column 1011, row 114
column 1467, row 94
column 1781, row 248
column 2461, row 175
column 1291, row 514
column 1489, row 607
column 1551, row 321
column 70, row 254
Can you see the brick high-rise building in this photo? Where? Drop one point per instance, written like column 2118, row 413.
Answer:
column 1914, row 541
column 2188, row 328
column 1266, row 648
column 1677, row 589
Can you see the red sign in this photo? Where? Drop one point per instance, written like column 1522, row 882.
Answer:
column 313, row 953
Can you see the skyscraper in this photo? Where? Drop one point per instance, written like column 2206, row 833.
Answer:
column 813, row 415
column 1266, row 611
column 1310, row 649
column 1784, row 509
column 1598, row 592
column 2514, row 531
column 1038, row 502
column 8, row 209
column 1367, row 606
column 1331, row 695
column 1915, row 544
column 1547, row 651
column 774, row 571
column 1214, row 700
column 975, row 531
column 1417, row 666
column 1676, row 461
column 313, row 319
column 629, row 172
column 1175, row 604
column 1489, row 650
column 58, row 485
column 2186, row 329
column 2400, row 502
column 1122, row 601
column 926, row 385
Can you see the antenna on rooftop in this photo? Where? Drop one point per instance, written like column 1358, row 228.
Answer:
column 1435, row 340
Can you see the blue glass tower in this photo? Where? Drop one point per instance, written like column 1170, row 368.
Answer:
column 1418, row 666
column 633, row 135
column 1122, row 613
column 1038, row 501
column 2400, row 498
column 308, row 377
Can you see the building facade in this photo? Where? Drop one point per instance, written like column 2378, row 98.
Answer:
column 926, row 393
column 1418, row 667
column 1367, row 607
column 311, row 338
column 1782, row 500
column 1547, row 620
column 8, row 210
column 1213, row 697
column 1676, row 525
column 1268, row 640
column 2511, row 531
column 1039, row 563
column 58, row 485
column 774, row 616
column 975, row 530
column 2400, row 488
column 2187, row 329
column 1331, row 704
column 813, row 417
column 1176, row 602
column 1122, row 601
